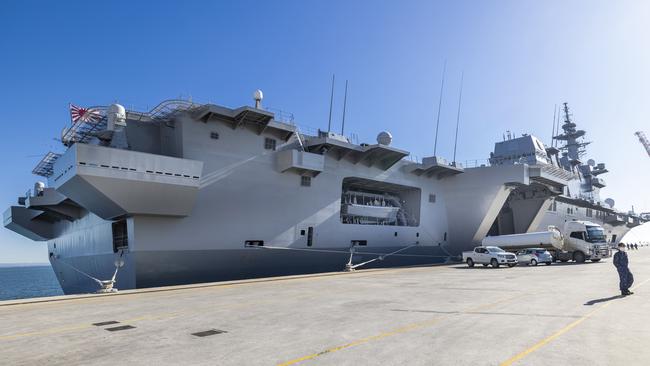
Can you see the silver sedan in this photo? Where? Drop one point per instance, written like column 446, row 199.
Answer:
column 533, row 256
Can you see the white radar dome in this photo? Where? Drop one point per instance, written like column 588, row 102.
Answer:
column 116, row 115
column 384, row 138
column 591, row 162
column 258, row 95
column 39, row 187
column 610, row 202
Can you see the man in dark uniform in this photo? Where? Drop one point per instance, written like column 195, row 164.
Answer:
column 624, row 274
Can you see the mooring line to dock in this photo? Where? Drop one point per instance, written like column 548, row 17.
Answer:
column 215, row 285
column 560, row 332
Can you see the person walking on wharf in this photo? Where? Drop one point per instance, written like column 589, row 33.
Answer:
column 626, row 279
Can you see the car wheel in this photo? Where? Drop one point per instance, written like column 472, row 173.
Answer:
column 579, row 257
column 494, row 263
column 533, row 262
column 470, row 262
column 596, row 260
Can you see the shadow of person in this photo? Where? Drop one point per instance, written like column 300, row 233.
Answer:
column 604, row 299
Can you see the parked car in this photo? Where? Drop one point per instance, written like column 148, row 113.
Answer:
column 533, row 256
column 493, row 256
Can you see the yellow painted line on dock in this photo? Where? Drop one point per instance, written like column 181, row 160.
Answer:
column 201, row 287
column 357, row 342
column 548, row 339
column 396, row 331
column 560, row 332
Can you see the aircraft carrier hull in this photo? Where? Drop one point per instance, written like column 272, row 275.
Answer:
column 165, row 268
column 208, row 193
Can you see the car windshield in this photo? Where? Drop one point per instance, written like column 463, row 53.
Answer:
column 595, row 234
column 495, row 250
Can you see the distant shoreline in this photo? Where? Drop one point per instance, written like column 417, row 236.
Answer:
column 5, row 265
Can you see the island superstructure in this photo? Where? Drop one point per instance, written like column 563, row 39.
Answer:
column 580, row 199
column 191, row 192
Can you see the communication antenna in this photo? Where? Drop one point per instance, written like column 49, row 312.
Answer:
column 554, row 118
column 557, row 125
column 329, row 122
column 442, row 85
column 460, row 96
column 345, row 100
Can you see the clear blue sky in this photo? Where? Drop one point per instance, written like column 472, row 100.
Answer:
column 520, row 58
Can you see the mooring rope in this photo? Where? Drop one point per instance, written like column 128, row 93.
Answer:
column 82, row 272
column 347, row 252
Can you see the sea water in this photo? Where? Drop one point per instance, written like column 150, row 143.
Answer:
column 25, row 281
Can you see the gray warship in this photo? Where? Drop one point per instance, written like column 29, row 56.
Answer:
column 188, row 193
column 580, row 199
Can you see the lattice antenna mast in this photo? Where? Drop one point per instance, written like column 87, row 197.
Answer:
column 574, row 148
column 644, row 141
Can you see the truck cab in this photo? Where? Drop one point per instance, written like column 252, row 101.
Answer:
column 585, row 241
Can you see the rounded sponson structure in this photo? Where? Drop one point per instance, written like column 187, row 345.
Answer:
column 384, row 138
column 39, row 187
column 116, row 115
column 610, row 202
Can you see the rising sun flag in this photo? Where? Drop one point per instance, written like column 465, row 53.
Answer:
column 84, row 114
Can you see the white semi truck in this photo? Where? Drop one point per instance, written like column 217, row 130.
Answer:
column 579, row 241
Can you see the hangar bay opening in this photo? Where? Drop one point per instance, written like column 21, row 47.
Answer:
column 369, row 202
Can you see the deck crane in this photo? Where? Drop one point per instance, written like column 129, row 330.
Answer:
column 644, row 141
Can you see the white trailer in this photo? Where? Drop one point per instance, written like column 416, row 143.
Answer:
column 579, row 241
